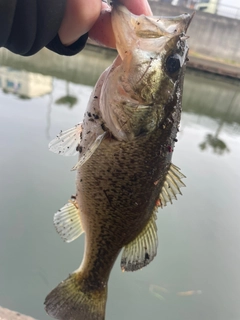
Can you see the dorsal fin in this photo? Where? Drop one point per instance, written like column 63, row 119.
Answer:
column 171, row 186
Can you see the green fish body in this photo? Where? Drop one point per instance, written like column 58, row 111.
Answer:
column 124, row 172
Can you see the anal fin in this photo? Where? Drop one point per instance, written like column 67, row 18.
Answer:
column 67, row 221
column 142, row 250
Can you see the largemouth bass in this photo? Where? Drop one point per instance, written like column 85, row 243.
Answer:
column 124, row 172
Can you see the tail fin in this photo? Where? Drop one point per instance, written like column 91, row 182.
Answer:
column 73, row 299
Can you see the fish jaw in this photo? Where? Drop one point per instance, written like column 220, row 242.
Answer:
column 148, row 74
column 145, row 32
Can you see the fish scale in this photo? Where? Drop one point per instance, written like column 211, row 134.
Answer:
column 90, row 193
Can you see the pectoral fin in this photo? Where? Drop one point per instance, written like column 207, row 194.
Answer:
column 141, row 251
column 67, row 221
column 171, row 186
column 66, row 143
column 90, row 150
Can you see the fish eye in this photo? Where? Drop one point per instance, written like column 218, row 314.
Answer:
column 173, row 63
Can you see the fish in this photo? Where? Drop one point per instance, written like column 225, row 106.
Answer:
column 124, row 170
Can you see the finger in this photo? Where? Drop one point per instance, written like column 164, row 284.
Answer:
column 102, row 31
column 78, row 19
column 137, row 6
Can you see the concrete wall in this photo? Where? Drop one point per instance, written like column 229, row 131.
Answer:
column 211, row 35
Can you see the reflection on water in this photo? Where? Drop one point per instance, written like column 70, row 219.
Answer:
column 218, row 146
column 213, row 141
column 217, row 98
column 196, row 272
column 68, row 99
column 163, row 293
column 24, row 84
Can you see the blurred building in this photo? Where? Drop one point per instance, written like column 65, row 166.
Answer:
column 184, row 3
column 209, row 6
column 228, row 8
column 24, row 84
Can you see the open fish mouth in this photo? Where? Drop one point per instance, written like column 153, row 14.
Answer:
column 144, row 28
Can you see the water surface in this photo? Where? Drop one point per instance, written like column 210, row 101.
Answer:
column 196, row 272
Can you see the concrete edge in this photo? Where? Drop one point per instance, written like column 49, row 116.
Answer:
column 6, row 314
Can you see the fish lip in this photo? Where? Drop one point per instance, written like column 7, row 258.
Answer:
column 183, row 25
column 190, row 19
column 180, row 23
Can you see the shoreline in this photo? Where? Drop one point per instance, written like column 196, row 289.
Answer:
column 214, row 66
column 47, row 63
column 6, row 314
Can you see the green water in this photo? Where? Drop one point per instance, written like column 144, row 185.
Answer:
column 196, row 272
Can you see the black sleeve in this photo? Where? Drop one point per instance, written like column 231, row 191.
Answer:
column 28, row 25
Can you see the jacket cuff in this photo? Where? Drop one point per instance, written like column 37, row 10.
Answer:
column 57, row 46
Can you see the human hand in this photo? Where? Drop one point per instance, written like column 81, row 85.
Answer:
column 94, row 16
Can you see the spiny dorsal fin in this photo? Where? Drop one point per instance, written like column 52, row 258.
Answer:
column 67, row 221
column 141, row 251
column 90, row 151
column 171, row 186
column 66, row 143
